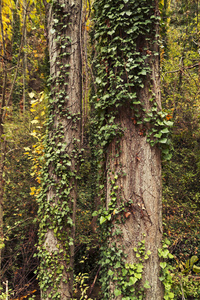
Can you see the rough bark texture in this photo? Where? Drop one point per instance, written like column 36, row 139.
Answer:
column 141, row 183
column 70, row 35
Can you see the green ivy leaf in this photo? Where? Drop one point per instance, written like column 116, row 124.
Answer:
column 163, row 265
column 143, row 72
column 111, row 32
column 102, row 220
column 110, row 272
column 98, row 80
column 196, row 269
column 165, row 130
column 169, row 123
column 117, row 292
column 133, row 280
column 163, row 141
column 129, row 13
column 147, row 285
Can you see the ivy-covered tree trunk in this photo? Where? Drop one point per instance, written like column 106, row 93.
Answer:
column 57, row 201
column 130, row 128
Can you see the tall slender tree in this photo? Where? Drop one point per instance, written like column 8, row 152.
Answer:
column 130, row 128
column 57, row 202
column 2, row 147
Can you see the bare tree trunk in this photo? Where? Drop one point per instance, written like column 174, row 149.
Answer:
column 2, row 139
column 24, row 54
column 63, row 23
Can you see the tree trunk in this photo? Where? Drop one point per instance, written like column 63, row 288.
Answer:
column 57, row 219
column 138, row 166
column 128, row 90
column 138, row 186
column 2, row 138
column 24, row 55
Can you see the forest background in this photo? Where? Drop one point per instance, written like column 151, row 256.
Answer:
column 24, row 101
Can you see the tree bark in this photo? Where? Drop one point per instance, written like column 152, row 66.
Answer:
column 63, row 24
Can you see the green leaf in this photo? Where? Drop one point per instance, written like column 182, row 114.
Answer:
column 138, row 276
column 117, row 292
column 143, row 72
column 140, row 268
column 98, row 80
column 162, row 278
column 95, row 213
column 102, row 220
column 187, row 265
column 171, row 295
column 110, row 272
column 163, row 141
column 118, row 265
column 193, row 259
column 128, row 13
column 111, row 32
column 165, row 130
column 133, row 280
column 168, row 157
column 124, row 272
column 147, row 285
column 2, row 245
column 163, row 265
column 165, row 253
column 158, row 135
column 196, row 269
column 168, row 123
